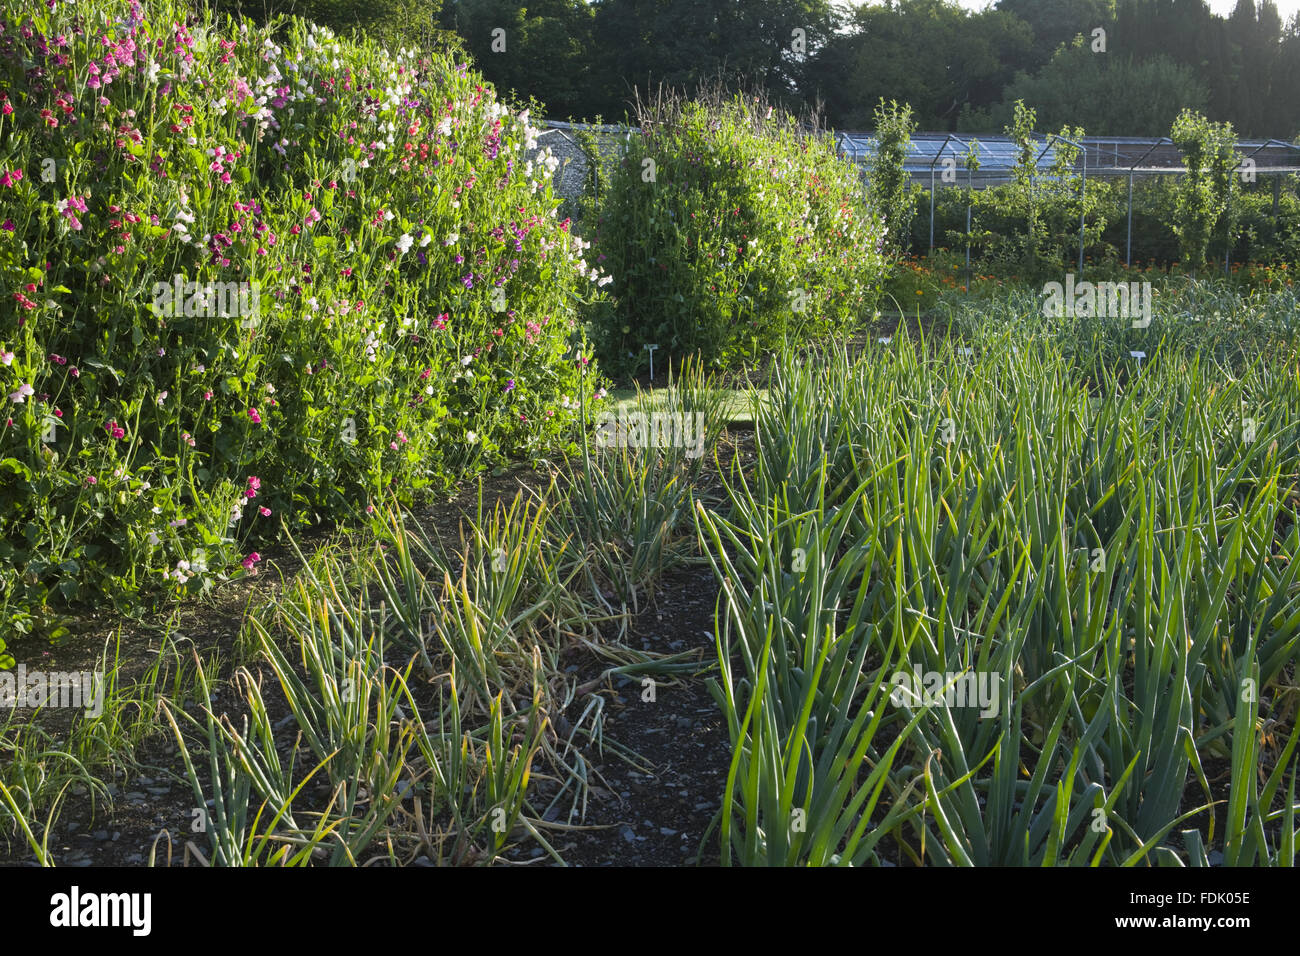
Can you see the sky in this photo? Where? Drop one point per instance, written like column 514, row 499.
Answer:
column 1287, row 8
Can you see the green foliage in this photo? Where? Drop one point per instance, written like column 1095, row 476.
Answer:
column 932, row 54
column 1034, row 222
column 727, row 228
column 394, row 23
column 1111, row 553
column 1204, row 207
column 1095, row 90
column 539, row 49
column 638, row 45
column 407, row 308
column 891, row 187
column 1057, row 22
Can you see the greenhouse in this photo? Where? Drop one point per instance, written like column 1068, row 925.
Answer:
column 942, row 159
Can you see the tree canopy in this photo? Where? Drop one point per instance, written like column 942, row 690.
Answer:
column 1122, row 67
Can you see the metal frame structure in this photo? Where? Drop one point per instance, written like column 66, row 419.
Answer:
column 996, row 156
column 1099, row 156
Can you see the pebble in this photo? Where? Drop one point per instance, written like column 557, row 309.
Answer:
column 100, row 835
column 666, row 831
column 627, row 834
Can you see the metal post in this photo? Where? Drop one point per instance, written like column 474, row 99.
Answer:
column 1083, row 151
column 932, row 209
column 1227, row 244
column 970, row 185
column 937, row 156
column 1138, row 162
column 1083, row 193
column 1128, row 252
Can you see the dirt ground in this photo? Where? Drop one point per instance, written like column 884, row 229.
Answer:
column 654, row 808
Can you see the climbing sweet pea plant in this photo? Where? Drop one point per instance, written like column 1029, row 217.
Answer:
column 253, row 277
column 729, row 228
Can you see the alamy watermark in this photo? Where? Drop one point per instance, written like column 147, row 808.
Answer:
column 1116, row 300
column 23, row 688
column 964, row 689
column 638, row 429
column 77, row 909
column 206, row 300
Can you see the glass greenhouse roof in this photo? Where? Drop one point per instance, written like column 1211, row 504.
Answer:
column 1104, row 155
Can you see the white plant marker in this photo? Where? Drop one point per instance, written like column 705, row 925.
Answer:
column 652, row 360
